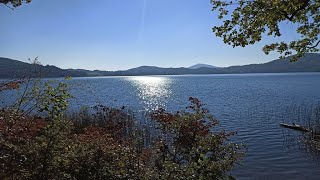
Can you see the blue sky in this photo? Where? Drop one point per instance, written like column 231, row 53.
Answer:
column 120, row 34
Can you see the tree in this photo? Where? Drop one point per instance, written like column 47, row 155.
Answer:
column 14, row 3
column 245, row 22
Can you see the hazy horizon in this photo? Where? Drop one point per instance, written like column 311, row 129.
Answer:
column 31, row 60
column 112, row 35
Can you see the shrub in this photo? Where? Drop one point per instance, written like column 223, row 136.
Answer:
column 189, row 146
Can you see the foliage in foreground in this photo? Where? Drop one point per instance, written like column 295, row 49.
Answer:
column 107, row 143
column 245, row 22
column 13, row 3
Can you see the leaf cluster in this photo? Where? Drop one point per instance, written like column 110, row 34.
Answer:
column 245, row 22
column 14, row 3
column 190, row 146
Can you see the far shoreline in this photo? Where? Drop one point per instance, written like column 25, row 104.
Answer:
column 176, row 75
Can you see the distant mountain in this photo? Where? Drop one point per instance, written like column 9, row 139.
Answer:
column 153, row 70
column 13, row 69
column 309, row 63
column 196, row 66
column 91, row 73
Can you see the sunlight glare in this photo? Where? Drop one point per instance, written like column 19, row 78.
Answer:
column 153, row 91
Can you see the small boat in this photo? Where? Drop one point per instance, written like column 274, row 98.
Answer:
column 295, row 127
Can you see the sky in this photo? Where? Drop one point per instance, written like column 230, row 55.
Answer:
column 121, row 34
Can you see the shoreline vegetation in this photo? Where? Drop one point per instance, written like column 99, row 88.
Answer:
column 40, row 140
column 307, row 117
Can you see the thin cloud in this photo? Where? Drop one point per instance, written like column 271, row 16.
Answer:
column 142, row 22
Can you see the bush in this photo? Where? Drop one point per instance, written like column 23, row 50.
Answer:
column 188, row 147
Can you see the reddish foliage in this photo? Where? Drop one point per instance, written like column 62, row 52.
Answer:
column 110, row 145
column 162, row 116
column 21, row 129
column 11, row 85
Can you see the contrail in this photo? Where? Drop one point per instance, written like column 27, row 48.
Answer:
column 143, row 17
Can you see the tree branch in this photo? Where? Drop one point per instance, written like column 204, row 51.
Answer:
column 310, row 47
column 8, row 7
column 304, row 5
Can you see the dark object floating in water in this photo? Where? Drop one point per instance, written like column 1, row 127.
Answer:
column 295, row 127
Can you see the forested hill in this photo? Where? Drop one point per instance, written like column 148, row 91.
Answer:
column 12, row 68
column 15, row 69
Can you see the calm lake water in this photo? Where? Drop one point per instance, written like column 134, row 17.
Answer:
column 251, row 104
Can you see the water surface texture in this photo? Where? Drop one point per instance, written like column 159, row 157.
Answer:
column 251, row 104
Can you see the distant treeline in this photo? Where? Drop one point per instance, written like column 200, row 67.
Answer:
column 12, row 68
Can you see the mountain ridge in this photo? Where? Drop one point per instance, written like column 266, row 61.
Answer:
column 10, row 68
column 196, row 66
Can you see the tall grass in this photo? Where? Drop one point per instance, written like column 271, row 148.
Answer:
column 309, row 117
column 127, row 122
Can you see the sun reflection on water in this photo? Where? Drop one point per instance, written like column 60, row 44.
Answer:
column 153, row 92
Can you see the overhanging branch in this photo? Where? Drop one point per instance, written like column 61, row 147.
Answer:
column 311, row 47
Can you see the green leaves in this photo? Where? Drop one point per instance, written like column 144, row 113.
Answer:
column 247, row 21
column 189, row 146
column 14, row 3
column 55, row 99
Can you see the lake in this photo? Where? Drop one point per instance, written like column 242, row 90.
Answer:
column 251, row 104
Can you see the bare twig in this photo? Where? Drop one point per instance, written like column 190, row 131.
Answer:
column 310, row 47
column 11, row 8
